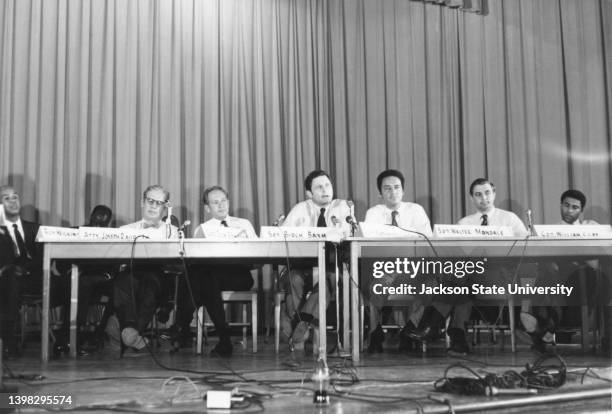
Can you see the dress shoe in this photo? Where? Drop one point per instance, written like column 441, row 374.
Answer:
column 224, row 348
column 458, row 343
column 406, row 343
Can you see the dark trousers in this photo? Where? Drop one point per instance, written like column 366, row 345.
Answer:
column 136, row 298
column 15, row 283
column 207, row 283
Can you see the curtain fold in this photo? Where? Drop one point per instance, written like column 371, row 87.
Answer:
column 100, row 98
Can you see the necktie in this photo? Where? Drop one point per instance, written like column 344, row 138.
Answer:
column 23, row 250
column 224, row 223
column 484, row 220
column 394, row 218
column 321, row 220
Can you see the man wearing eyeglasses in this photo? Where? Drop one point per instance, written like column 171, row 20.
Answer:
column 137, row 291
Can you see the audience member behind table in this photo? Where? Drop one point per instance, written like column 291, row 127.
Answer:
column 95, row 283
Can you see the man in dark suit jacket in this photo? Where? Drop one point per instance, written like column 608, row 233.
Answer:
column 9, row 301
column 24, row 260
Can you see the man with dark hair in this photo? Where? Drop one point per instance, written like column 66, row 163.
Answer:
column 482, row 193
column 572, row 206
column 24, row 274
column 320, row 209
column 9, row 297
column 396, row 212
column 209, row 281
column 101, row 216
column 543, row 324
column 137, row 291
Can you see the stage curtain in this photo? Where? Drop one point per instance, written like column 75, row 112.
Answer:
column 100, row 98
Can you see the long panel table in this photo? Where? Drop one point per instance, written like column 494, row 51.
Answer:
column 528, row 248
column 257, row 250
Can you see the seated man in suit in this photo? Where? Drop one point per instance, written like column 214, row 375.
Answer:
column 137, row 291
column 320, row 209
column 209, row 281
column 25, row 274
column 9, row 301
column 482, row 193
column 403, row 214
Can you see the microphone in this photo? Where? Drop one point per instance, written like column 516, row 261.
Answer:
column 181, row 235
column 335, row 221
column 279, row 221
column 186, row 224
column 350, row 219
column 530, row 223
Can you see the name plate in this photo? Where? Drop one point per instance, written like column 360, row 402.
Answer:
column 454, row 231
column 302, row 233
column 225, row 233
column 561, row 231
column 50, row 233
column 112, row 234
column 382, row 230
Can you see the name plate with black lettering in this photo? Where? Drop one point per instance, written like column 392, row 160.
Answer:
column 302, row 233
column 456, row 231
column 561, row 231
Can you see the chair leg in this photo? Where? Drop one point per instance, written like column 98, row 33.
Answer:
column 200, row 327
column 244, row 325
column 254, row 322
column 277, row 310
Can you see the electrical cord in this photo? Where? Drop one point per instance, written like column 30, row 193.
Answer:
column 537, row 376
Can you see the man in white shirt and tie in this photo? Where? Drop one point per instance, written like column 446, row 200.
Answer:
column 482, row 193
column 408, row 216
column 320, row 209
column 209, row 281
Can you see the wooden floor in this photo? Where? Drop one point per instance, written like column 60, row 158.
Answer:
column 386, row 382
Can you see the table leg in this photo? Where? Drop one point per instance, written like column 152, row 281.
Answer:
column 355, row 315
column 74, row 299
column 44, row 340
column 322, row 304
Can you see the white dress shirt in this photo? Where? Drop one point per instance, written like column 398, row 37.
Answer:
column 306, row 214
column 410, row 216
column 498, row 217
column 159, row 232
column 209, row 226
column 11, row 229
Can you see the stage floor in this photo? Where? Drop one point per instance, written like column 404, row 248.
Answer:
column 385, row 382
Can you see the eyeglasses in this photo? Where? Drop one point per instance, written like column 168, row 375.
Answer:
column 12, row 197
column 153, row 202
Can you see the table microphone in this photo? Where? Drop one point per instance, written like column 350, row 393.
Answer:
column 279, row 221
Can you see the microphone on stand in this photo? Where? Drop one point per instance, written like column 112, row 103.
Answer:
column 279, row 221
column 530, row 223
column 335, row 221
column 181, row 235
column 350, row 219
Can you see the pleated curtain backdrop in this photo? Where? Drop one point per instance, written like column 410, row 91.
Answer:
column 100, row 98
